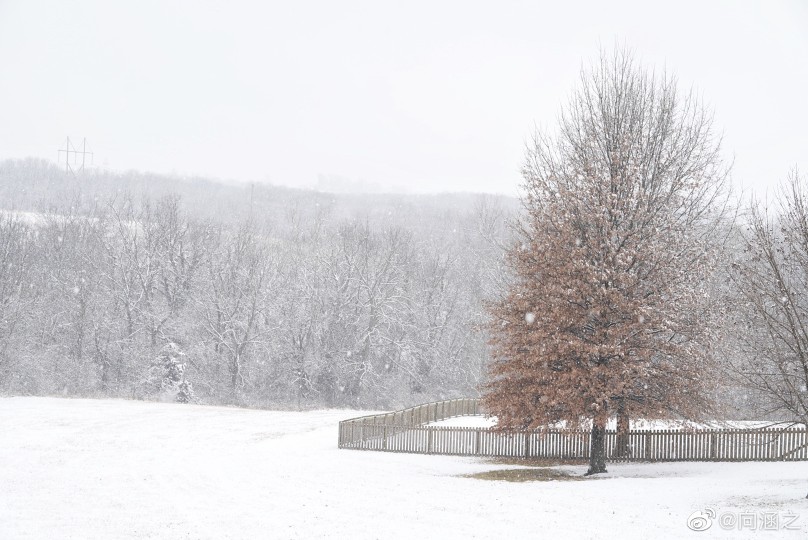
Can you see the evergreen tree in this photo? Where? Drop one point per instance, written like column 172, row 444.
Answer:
column 167, row 376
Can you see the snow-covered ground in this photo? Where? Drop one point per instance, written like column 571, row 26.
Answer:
column 471, row 421
column 108, row 469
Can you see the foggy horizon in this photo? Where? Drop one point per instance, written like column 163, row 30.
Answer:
column 406, row 98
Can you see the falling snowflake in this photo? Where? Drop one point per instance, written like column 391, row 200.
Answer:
column 530, row 317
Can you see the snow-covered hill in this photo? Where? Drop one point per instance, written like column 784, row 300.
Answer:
column 118, row 469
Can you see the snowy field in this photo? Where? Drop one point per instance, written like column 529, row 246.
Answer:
column 109, row 469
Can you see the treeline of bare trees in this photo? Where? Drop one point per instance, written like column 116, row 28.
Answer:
column 303, row 309
column 276, row 297
column 766, row 305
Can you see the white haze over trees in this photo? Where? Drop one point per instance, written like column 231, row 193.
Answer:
column 163, row 288
column 136, row 285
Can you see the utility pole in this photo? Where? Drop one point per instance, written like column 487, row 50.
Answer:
column 252, row 193
column 70, row 149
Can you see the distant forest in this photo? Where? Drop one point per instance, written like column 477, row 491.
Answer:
column 118, row 284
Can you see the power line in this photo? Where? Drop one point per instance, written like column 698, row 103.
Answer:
column 70, row 149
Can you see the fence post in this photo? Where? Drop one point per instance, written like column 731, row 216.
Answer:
column 384, row 437
column 527, row 444
column 429, row 440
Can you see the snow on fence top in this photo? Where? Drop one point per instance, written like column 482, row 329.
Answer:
column 408, row 431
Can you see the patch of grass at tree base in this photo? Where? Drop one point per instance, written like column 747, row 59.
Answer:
column 537, row 474
column 532, row 470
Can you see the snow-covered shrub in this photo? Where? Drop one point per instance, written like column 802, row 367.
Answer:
column 166, row 378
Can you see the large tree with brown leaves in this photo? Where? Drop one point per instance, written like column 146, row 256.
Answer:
column 608, row 312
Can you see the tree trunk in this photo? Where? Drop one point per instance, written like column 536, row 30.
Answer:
column 621, row 447
column 105, row 369
column 597, row 456
column 235, row 369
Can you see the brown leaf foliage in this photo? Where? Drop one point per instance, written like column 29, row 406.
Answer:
column 608, row 306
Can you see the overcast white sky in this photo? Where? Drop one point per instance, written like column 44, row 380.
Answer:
column 415, row 96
